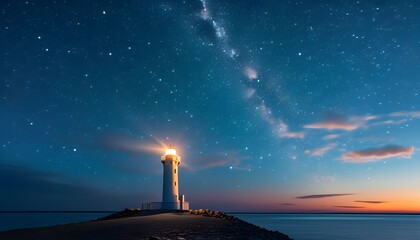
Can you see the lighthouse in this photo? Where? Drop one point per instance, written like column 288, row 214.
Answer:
column 171, row 200
column 170, row 194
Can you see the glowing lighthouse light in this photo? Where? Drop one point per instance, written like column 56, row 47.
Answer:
column 170, row 151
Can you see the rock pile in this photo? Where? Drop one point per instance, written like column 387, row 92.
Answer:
column 243, row 229
column 229, row 227
column 128, row 212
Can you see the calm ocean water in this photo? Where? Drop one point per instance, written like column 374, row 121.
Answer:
column 10, row 221
column 339, row 226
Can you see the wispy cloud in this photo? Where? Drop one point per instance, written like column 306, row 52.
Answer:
column 324, row 195
column 411, row 114
column 331, row 136
column 389, row 122
column 287, row 204
column 322, row 150
column 370, row 202
column 339, row 123
column 345, row 206
column 376, row 154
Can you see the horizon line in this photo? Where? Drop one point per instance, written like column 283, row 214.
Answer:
column 58, row 211
column 227, row 212
column 314, row 212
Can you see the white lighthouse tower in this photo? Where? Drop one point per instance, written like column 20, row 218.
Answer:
column 171, row 200
column 170, row 194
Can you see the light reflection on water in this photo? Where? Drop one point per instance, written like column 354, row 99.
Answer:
column 339, row 226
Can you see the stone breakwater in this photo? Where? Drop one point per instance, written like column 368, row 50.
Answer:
column 135, row 224
column 229, row 227
column 244, row 229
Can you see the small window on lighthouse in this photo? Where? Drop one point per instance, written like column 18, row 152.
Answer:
column 175, row 183
column 174, row 170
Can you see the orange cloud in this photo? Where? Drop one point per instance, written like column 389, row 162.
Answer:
column 322, row 150
column 370, row 202
column 300, row 135
column 375, row 154
column 331, row 136
column 345, row 206
column 332, row 125
column 337, row 123
column 285, row 133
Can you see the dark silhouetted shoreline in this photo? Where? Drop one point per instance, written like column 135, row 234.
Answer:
column 137, row 224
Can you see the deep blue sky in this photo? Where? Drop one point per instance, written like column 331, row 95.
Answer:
column 273, row 105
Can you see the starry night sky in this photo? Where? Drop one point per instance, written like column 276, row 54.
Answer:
column 273, row 105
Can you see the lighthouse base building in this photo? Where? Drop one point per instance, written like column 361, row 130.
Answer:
column 180, row 205
column 171, row 200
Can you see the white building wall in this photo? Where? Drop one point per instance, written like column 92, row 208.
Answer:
column 170, row 194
